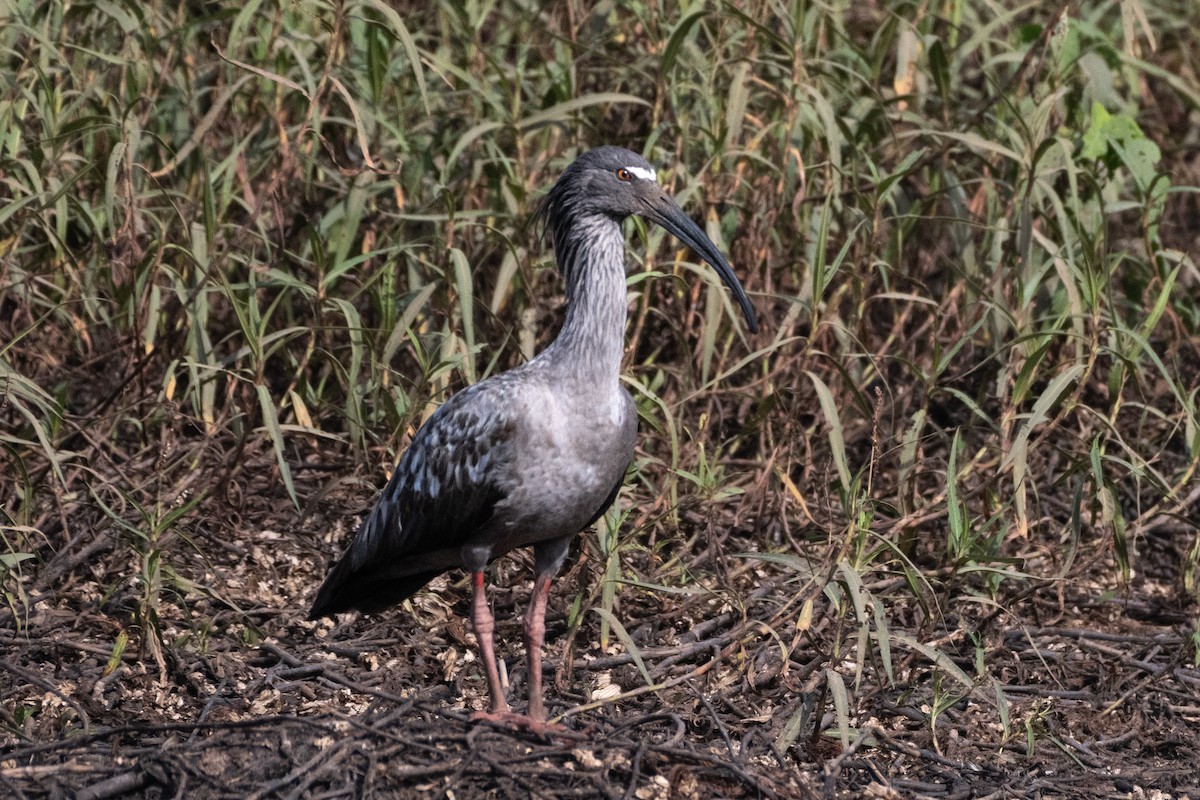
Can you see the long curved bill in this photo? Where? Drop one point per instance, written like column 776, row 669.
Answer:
column 667, row 213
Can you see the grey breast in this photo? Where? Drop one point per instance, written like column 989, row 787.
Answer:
column 571, row 450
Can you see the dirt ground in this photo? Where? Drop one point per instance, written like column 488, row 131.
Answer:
column 246, row 698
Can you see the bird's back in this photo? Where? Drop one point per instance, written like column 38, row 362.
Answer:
column 514, row 460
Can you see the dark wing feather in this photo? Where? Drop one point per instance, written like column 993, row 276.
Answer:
column 443, row 491
column 612, row 497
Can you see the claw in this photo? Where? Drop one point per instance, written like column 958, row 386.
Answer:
column 510, row 720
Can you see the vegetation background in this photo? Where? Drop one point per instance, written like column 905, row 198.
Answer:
column 934, row 531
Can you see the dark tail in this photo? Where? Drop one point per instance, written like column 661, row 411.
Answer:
column 347, row 590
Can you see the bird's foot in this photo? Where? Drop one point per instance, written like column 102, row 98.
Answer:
column 510, row 720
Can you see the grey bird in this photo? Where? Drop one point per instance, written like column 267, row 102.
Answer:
column 532, row 456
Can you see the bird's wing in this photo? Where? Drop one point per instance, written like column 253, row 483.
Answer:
column 446, row 484
column 444, row 489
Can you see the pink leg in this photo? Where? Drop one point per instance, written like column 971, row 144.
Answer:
column 485, row 625
column 535, row 637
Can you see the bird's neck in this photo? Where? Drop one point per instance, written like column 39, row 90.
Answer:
column 591, row 253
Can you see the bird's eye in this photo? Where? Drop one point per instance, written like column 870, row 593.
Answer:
column 623, row 174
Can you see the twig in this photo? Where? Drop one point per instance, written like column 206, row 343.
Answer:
column 119, row 784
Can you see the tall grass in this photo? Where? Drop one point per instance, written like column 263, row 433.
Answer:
column 294, row 228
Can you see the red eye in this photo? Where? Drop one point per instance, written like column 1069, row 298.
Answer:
column 623, row 174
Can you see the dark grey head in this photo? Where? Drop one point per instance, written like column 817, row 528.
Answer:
column 615, row 182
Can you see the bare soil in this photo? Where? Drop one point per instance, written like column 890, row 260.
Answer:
column 240, row 696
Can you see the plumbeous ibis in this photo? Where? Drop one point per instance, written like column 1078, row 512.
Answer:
column 532, row 456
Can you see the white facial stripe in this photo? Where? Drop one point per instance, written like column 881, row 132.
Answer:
column 643, row 173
